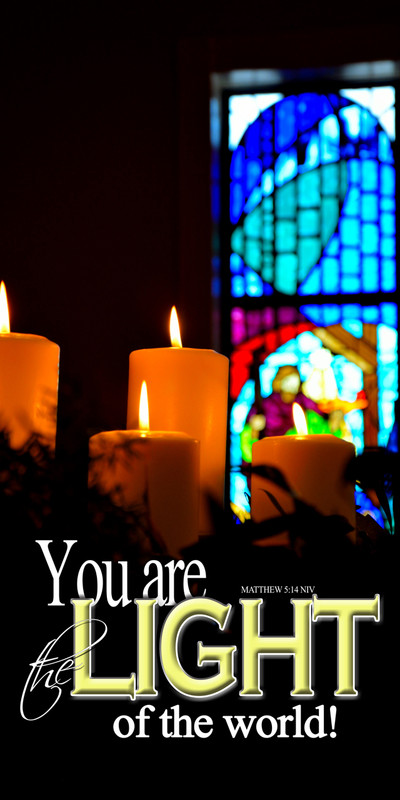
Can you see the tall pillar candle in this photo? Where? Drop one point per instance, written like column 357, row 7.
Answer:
column 28, row 384
column 151, row 472
column 188, row 391
column 314, row 466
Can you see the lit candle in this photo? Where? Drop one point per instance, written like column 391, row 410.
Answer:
column 188, row 391
column 314, row 466
column 28, row 383
column 150, row 471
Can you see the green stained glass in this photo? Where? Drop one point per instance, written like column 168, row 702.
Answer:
column 267, row 269
column 330, row 179
column 285, row 236
column 309, row 250
column 285, row 272
column 329, row 216
column 252, row 254
column 286, row 201
column 309, row 189
column 253, row 223
column 237, row 241
column 309, row 222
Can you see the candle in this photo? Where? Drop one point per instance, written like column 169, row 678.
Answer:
column 188, row 390
column 314, row 466
column 28, row 383
column 150, row 471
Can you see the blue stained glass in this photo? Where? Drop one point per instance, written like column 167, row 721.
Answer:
column 389, row 314
column 285, row 167
column 352, row 202
column 238, row 286
column 267, row 130
column 367, row 125
column 348, row 150
column 389, row 380
column 285, row 124
column 310, row 108
column 309, row 250
column 332, row 248
column 387, row 339
column 331, row 237
column 312, row 284
column 268, row 182
column 351, row 284
column 308, row 195
column 236, row 201
column 254, row 284
column 369, row 238
column 253, row 173
column 331, row 314
column 237, row 163
column 355, row 327
column 388, row 224
column 384, row 148
column 254, row 200
column 349, row 231
column 388, row 246
column 371, row 314
column 371, row 274
column 388, row 275
column 252, row 139
column 351, row 119
column 369, row 175
column 268, row 159
column 354, row 171
column 315, row 313
column 330, row 275
column 350, row 260
column 352, row 311
column 330, row 136
column 369, row 207
column 387, row 175
column 236, row 263
column 312, row 156
column 387, row 203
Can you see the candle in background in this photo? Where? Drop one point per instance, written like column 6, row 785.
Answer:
column 28, row 383
column 149, row 471
column 313, row 465
column 188, row 391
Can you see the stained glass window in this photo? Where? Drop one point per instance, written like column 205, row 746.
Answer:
column 310, row 248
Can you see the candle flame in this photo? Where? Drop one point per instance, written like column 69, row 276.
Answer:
column 175, row 333
column 4, row 315
column 299, row 418
column 144, row 424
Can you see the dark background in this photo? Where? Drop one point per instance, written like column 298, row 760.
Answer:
column 105, row 223
column 106, row 162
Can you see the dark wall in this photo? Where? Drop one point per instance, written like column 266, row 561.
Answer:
column 105, row 177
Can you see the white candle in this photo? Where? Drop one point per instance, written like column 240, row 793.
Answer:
column 314, row 467
column 188, row 391
column 28, row 384
column 151, row 471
